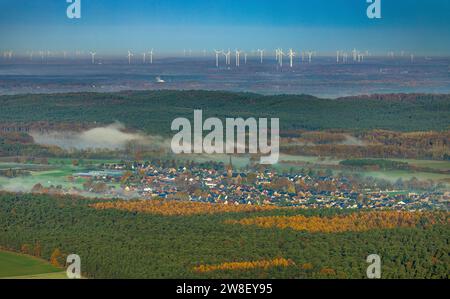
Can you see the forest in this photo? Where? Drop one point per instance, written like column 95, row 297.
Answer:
column 114, row 243
column 153, row 111
column 387, row 126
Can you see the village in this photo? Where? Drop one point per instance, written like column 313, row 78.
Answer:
column 222, row 184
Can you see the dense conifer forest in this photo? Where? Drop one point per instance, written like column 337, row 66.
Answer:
column 130, row 244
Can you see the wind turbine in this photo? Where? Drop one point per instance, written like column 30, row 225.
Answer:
column 280, row 54
column 93, row 57
column 291, row 57
column 144, row 55
column 261, row 54
column 345, row 57
column 310, row 54
column 227, row 56
column 337, row 56
column 129, row 56
column 412, row 57
column 238, row 58
column 354, row 53
column 245, row 58
column 151, row 56
column 360, row 57
column 217, row 56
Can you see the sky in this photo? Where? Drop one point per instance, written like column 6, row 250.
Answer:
column 114, row 26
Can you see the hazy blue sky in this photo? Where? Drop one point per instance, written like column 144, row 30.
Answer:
column 171, row 25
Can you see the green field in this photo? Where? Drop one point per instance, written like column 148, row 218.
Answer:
column 14, row 265
column 390, row 175
column 436, row 165
column 53, row 175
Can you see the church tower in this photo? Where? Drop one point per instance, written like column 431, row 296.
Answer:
column 230, row 169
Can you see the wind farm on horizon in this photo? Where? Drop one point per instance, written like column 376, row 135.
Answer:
column 219, row 57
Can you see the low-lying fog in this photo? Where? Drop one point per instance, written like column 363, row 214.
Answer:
column 112, row 137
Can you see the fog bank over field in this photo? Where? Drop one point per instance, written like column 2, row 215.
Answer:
column 112, row 137
column 351, row 140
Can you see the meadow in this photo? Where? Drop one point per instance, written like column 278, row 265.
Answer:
column 15, row 265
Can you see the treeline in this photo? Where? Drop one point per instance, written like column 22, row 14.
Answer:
column 122, row 244
column 374, row 143
column 376, row 164
column 344, row 151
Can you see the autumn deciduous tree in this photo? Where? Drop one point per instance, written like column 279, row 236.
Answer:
column 264, row 264
column 307, row 266
column 56, row 257
column 328, row 272
column 356, row 222
column 25, row 249
column 171, row 208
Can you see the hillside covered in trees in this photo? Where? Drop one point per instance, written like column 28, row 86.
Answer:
column 153, row 111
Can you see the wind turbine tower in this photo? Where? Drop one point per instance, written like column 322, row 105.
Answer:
column 93, row 57
column 151, row 56
column 360, row 57
column 261, row 54
column 217, row 57
column 280, row 54
column 129, row 56
column 238, row 58
column 227, row 57
column 355, row 54
column 291, row 57
column 310, row 55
